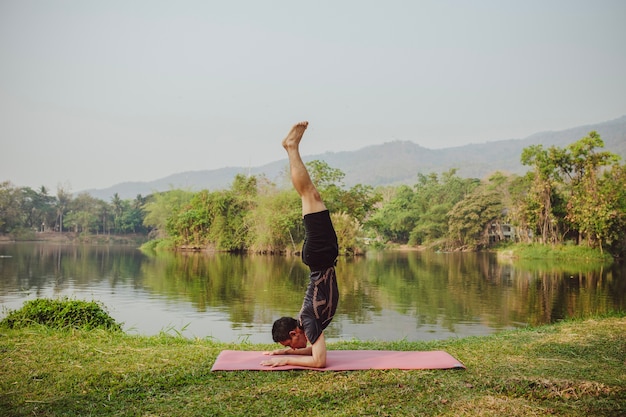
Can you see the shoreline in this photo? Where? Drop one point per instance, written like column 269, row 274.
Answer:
column 73, row 238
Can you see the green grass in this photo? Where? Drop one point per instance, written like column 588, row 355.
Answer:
column 61, row 313
column 566, row 252
column 574, row 368
column 156, row 245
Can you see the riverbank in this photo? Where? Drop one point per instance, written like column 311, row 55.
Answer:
column 574, row 368
column 75, row 238
column 538, row 251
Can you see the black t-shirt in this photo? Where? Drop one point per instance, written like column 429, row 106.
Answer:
column 319, row 252
column 320, row 303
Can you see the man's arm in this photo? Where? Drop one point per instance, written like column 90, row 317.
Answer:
column 315, row 359
column 290, row 351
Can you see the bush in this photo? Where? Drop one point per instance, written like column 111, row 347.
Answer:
column 155, row 245
column 61, row 314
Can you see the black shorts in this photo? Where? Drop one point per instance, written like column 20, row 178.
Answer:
column 320, row 249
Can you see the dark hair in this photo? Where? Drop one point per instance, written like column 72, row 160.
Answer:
column 282, row 327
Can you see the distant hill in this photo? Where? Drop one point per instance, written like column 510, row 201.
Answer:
column 390, row 163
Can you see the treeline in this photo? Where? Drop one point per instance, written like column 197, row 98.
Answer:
column 574, row 195
column 570, row 195
column 24, row 211
column 257, row 215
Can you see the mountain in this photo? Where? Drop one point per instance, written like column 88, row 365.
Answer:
column 390, row 163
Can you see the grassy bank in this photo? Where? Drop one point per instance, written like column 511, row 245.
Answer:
column 134, row 239
column 533, row 251
column 575, row 368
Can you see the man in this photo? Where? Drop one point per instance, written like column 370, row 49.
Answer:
column 319, row 252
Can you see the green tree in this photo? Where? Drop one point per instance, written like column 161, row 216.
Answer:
column 159, row 207
column 613, row 191
column 132, row 217
column 189, row 224
column 216, row 220
column 419, row 215
column 348, row 231
column 471, row 218
column 10, row 208
column 395, row 220
column 64, row 198
column 118, row 210
column 37, row 208
column 359, row 201
column 592, row 206
column 543, row 198
column 516, row 206
column 82, row 214
column 276, row 222
column 104, row 213
column 244, row 190
column 431, row 225
column 324, row 176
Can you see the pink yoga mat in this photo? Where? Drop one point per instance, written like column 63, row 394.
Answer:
column 343, row 360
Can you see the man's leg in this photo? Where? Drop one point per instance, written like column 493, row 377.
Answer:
column 311, row 199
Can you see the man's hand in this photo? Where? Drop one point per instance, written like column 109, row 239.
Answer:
column 284, row 351
column 274, row 362
column 310, row 356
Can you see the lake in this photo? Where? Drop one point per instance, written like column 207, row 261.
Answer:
column 387, row 295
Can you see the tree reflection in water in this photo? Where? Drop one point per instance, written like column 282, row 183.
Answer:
column 384, row 295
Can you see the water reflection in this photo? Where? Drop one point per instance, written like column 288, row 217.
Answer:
column 384, row 295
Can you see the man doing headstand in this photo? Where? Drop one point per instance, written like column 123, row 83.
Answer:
column 319, row 252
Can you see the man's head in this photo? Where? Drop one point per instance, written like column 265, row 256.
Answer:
column 287, row 332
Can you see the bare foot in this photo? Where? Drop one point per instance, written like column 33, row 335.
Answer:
column 295, row 135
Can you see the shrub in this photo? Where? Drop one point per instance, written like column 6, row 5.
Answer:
column 61, row 314
column 155, row 245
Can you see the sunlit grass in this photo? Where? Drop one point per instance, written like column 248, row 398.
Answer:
column 574, row 368
column 565, row 253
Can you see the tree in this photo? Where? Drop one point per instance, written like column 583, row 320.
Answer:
column 132, row 217
column 217, row 219
column 159, row 207
column 613, row 191
column 103, row 212
column 276, row 222
column 189, row 225
column 543, row 192
column 82, row 213
column 348, row 231
column 517, row 210
column 432, row 225
column 592, row 206
column 419, row 215
column 395, row 220
column 37, row 208
column 359, row 201
column 471, row 218
column 64, row 197
column 10, row 210
column 118, row 210
column 324, row 176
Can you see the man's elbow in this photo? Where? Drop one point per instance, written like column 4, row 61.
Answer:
column 320, row 363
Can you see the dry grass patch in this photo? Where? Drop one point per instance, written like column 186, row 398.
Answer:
column 498, row 406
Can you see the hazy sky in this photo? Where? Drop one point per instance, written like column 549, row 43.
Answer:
column 93, row 93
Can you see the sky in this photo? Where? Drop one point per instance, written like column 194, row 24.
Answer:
column 95, row 93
